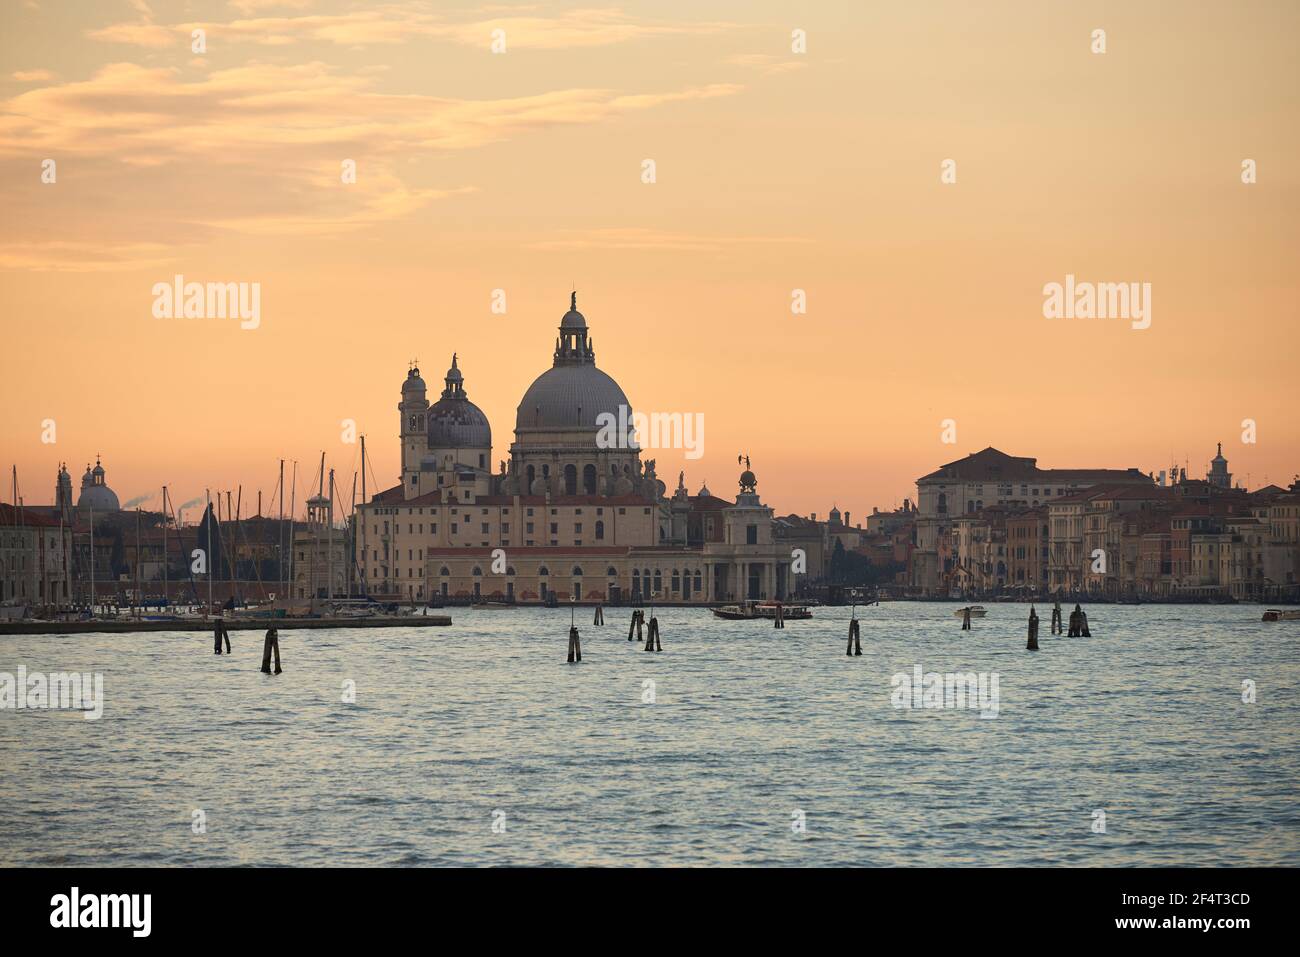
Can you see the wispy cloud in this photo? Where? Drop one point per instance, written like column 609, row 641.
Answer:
column 400, row 23
column 33, row 76
column 67, row 256
column 653, row 239
column 766, row 62
column 267, row 141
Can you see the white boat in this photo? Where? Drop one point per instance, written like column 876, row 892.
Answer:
column 1282, row 614
column 976, row 611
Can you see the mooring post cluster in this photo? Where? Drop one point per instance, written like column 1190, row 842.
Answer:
column 638, row 620
column 1056, row 619
column 575, row 645
column 965, row 618
column 1033, row 630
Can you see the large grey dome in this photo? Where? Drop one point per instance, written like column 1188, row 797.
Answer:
column 95, row 492
column 570, row 397
column 99, row 497
column 573, row 393
column 454, row 422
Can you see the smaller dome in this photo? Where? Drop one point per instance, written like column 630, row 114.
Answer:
column 454, row 421
column 704, row 489
column 747, row 479
column 413, row 382
column 573, row 319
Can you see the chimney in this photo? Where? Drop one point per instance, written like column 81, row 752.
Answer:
column 847, row 521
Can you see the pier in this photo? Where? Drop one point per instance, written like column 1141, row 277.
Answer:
column 130, row 626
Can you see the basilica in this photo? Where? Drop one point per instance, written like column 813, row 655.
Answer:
column 567, row 515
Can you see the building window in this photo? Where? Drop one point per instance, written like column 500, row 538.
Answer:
column 600, row 530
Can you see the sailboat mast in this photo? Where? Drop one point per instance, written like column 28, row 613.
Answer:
column 359, row 532
column 137, row 561
column 293, row 505
column 164, row 550
column 279, row 564
column 329, row 540
column 91, row 509
column 208, row 554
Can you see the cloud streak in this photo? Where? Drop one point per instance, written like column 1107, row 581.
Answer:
column 401, row 23
column 267, row 141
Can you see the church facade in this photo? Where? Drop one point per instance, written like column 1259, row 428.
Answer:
column 569, row 513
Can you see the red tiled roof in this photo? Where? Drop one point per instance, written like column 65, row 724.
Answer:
column 993, row 465
column 25, row 517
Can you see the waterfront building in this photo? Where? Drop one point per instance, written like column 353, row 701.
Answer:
column 987, row 478
column 34, row 557
column 574, row 511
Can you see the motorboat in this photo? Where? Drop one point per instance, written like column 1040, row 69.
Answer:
column 1282, row 614
column 762, row 609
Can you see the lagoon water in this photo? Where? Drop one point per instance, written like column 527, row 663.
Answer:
column 751, row 729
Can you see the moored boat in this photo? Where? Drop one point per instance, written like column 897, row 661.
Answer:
column 976, row 611
column 762, row 609
column 1282, row 614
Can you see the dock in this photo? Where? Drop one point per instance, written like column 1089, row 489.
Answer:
column 129, row 625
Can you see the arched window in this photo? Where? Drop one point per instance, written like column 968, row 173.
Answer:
column 443, row 570
column 589, row 479
column 478, row 571
column 611, row 571
column 677, row 582
column 636, row 583
column 532, row 475
column 510, row 569
column 600, row 530
column 699, row 581
column 577, row 571
column 659, row 582
column 543, row 570
column 943, row 503
column 570, row 480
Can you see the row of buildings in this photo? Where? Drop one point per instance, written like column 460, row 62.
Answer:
column 991, row 524
column 575, row 512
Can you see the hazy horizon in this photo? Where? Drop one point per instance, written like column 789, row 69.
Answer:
column 775, row 171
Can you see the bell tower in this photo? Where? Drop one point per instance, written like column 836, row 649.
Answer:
column 413, row 409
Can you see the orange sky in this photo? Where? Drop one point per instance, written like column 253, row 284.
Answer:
column 775, row 171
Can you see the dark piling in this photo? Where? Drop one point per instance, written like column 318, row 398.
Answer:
column 271, row 646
